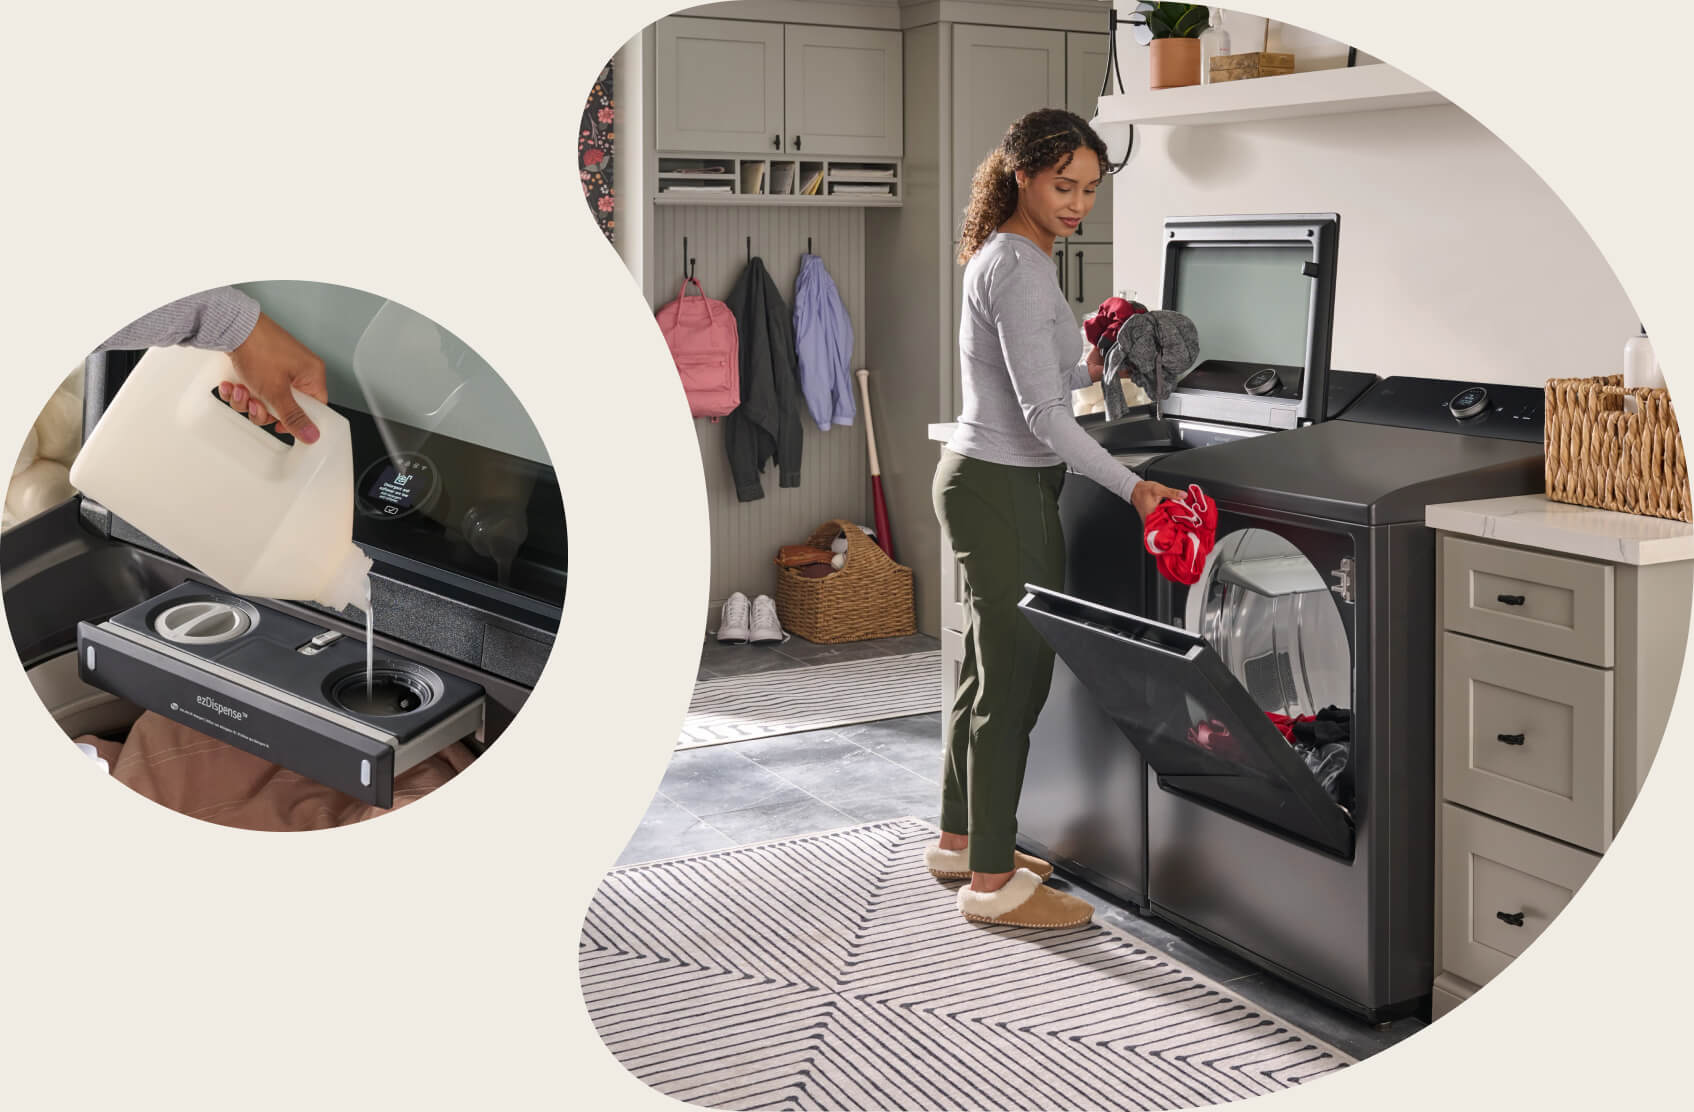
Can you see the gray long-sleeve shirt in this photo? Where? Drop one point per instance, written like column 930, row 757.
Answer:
column 1020, row 356
column 217, row 320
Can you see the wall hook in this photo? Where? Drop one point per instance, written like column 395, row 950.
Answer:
column 749, row 248
column 687, row 271
column 808, row 245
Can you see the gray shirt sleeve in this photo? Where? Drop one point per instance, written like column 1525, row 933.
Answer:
column 218, row 320
column 1024, row 312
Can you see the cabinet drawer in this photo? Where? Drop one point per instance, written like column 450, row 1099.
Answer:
column 1501, row 886
column 1528, row 738
column 1551, row 604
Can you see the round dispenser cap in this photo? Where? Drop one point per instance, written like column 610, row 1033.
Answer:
column 349, row 584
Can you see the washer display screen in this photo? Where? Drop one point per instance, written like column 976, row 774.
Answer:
column 399, row 486
column 1469, row 402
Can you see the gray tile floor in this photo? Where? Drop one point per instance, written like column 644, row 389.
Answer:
column 757, row 791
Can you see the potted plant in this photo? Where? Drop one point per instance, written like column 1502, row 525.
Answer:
column 1172, row 34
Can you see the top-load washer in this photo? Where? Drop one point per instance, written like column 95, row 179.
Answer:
column 1261, row 291
column 1317, row 601
column 457, row 504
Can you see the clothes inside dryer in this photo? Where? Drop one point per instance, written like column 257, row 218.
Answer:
column 1272, row 620
column 1268, row 614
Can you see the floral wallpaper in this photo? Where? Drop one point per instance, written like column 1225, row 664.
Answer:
column 594, row 150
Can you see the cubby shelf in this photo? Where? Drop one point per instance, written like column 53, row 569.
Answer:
column 751, row 179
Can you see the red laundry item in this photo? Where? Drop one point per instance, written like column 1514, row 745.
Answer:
column 1284, row 725
column 1181, row 535
column 1214, row 737
column 1104, row 324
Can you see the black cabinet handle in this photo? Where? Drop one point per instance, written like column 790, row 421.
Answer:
column 1079, row 277
column 1511, row 600
column 796, row 142
column 1515, row 918
column 1511, row 739
column 776, row 142
column 1059, row 257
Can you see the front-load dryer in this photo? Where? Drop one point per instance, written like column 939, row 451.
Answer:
column 1318, row 597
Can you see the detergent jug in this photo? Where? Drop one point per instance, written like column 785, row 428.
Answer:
column 259, row 516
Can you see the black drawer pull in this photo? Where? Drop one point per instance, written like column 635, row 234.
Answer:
column 1511, row 600
column 1511, row 739
column 1515, row 918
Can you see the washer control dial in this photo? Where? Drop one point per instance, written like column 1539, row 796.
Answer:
column 1262, row 382
column 1469, row 402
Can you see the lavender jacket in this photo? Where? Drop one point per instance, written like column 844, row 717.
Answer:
column 823, row 340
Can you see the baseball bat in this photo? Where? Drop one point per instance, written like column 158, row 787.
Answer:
column 882, row 538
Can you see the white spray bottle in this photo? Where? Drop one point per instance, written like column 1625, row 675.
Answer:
column 260, row 517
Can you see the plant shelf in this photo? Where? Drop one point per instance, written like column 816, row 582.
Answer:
column 1371, row 88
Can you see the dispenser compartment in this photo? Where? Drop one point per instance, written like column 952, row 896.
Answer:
column 280, row 687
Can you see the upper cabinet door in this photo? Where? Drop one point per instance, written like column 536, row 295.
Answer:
column 999, row 73
column 719, row 86
column 1085, row 72
column 1088, row 276
column 844, row 92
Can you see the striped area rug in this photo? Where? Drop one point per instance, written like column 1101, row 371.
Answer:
column 831, row 971
column 811, row 697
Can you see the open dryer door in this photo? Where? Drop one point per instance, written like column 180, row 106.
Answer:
column 1172, row 698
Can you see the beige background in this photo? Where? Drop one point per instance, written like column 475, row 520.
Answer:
column 425, row 152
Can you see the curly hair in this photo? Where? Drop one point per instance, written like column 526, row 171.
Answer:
column 1047, row 137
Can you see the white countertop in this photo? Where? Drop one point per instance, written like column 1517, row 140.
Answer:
column 943, row 432
column 1534, row 522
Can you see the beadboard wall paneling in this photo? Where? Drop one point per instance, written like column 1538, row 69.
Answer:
column 834, row 470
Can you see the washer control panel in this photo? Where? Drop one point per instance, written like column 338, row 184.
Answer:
column 1499, row 410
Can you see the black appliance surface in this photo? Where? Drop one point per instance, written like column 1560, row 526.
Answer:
column 288, row 690
column 1316, row 595
column 1390, row 455
column 1198, row 729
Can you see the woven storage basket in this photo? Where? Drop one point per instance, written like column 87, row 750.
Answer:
column 870, row 597
column 1600, row 456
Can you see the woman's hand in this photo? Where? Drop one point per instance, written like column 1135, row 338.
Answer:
column 1096, row 363
column 271, row 364
column 1146, row 495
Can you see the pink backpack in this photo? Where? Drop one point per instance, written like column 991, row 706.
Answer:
column 704, row 346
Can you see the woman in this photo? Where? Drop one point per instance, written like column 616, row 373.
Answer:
column 997, row 495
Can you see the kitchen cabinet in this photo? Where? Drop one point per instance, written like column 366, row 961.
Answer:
column 733, row 86
column 1085, row 70
column 999, row 74
column 718, row 86
column 1555, row 672
column 1085, row 274
column 843, row 91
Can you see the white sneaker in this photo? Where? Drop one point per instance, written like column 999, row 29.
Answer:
column 733, row 628
column 767, row 629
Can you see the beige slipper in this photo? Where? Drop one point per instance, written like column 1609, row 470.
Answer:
column 955, row 864
column 1024, row 902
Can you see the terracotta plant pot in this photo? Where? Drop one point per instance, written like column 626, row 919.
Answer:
column 1175, row 62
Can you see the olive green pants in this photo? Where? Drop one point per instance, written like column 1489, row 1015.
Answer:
column 1004, row 526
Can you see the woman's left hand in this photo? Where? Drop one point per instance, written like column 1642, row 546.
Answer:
column 1096, row 363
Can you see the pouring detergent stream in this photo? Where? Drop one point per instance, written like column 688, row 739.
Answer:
column 167, row 446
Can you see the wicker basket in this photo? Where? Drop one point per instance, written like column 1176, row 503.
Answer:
column 1600, row 456
column 870, row 597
